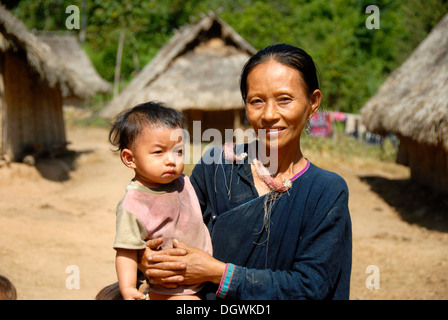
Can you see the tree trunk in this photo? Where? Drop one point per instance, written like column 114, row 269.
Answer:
column 118, row 61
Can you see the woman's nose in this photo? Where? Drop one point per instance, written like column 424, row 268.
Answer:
column 270, row 112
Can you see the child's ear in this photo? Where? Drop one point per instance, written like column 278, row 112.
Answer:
column 128, row 158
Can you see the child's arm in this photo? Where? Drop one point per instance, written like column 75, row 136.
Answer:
column 126, row 265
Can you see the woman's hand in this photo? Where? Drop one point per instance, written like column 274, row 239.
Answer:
column 182, row 264
column 200, row 266
column 160, row 271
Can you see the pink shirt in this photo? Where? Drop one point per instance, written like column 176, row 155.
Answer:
column 170, row 212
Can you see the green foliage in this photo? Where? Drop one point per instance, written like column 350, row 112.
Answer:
column 353, row 60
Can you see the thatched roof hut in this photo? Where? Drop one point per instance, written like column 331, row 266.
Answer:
column 197, row 72
column 413, row 104
column 32, row 82
column 69, row 50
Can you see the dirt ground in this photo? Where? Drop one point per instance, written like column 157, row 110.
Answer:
column 57, row 224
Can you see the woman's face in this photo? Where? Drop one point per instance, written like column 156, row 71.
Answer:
column 278, row 105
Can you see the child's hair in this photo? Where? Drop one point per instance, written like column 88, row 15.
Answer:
column 110, row 292
column 130, row 123
column 7, row 289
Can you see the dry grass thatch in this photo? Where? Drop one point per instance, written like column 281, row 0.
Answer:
column 68, row 48
column 198, row 69
column 15, row 36
column 413, row 101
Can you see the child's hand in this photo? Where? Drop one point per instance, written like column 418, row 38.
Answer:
column 132, row 294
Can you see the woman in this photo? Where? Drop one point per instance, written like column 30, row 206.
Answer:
column 281, row 235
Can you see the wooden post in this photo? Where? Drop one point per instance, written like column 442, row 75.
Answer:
column 236, row 119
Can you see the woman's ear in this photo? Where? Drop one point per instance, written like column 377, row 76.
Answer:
column 128, row 158
column 315, row 100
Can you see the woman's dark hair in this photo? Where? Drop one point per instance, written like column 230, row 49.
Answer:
column 289, row 55
column 130, row 123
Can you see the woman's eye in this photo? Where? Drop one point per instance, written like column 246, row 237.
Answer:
column 255, row 102
column 284, row 100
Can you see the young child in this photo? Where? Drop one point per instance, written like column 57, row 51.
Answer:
column 160, row 201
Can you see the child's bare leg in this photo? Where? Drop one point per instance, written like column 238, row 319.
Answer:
column 157, row 296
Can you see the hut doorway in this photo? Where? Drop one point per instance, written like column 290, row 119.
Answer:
column 220, row 120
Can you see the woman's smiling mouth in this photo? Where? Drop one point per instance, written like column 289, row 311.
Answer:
column 273, row 131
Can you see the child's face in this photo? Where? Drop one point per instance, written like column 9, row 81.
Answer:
column 157, row 155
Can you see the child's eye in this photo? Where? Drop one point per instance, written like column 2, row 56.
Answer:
column 157, row 152
column 180, row 151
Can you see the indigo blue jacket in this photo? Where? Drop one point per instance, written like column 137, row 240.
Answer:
column 306, row 252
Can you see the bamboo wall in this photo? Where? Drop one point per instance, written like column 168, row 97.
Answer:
column 428, row 164
column 31, row 112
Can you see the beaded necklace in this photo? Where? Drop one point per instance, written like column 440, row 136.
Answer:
column 261, row 170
